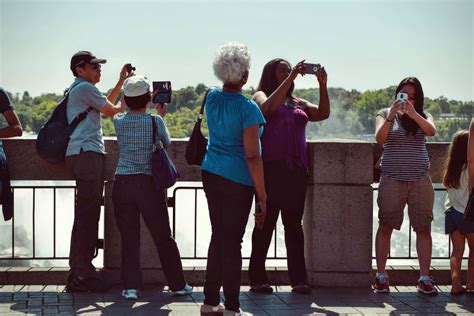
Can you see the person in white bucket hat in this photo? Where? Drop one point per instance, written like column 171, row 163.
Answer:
column 134, row 192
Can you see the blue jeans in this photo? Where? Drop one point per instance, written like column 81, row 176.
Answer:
column 229, row 208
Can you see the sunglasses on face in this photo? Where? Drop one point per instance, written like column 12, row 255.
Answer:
column 93, row 66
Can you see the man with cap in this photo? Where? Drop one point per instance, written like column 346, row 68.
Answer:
column 85, row 159
column 134, row 192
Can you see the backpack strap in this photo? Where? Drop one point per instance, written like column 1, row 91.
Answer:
column 81, row 115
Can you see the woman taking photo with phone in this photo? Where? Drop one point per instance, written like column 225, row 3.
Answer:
column 285, row 163
column 456, row 181
column 232, row 173
column 405, row 179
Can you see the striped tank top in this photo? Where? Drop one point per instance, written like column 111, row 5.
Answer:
column 405, row 157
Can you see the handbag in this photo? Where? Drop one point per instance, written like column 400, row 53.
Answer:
column 162, row 168
column 197, row 144
column 469, row 211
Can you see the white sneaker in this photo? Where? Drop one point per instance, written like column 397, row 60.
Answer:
column 186, row 290
column 130, row 294
column 212, row 309
column 240, row 313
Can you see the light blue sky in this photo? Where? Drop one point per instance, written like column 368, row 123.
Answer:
column 363, row 44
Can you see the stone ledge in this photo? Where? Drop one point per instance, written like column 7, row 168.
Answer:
column 399, row 275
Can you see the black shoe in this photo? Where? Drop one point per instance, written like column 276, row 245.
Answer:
column 301, row 288
column 91, row 284
column 261, row 288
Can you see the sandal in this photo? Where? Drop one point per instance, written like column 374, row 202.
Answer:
column 469, row 291
column 461, row 292
column 262, row 288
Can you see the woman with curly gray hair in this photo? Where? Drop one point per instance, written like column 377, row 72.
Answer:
column 232, row 173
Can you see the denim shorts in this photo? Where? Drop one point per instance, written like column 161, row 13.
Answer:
column 454, row 220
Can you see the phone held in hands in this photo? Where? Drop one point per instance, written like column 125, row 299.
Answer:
column 402, row 97
column 311, row 69
column 164, row 91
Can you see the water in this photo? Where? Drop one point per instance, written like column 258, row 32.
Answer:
column 191, row 224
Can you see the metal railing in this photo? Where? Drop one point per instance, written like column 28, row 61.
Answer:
column 172, row 204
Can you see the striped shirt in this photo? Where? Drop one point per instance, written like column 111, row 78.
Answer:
column 405, row 157
column 134, row 137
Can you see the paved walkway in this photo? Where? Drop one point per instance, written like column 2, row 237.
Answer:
column 50, row 300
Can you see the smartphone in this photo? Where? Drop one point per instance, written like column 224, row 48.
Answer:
column 164, row 91
column 311, row 68
column 402, row 97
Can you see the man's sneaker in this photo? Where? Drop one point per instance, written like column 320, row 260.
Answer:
column 186, row 290
column 130, row 294
column 426, row 286
column 239, row 313
column 382, row 285
column 209, row 309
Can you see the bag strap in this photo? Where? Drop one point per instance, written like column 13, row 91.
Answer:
column 201, row 112
column 153, row 136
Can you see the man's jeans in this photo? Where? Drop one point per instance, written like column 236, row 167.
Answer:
column 229, row 207
column 88, row 171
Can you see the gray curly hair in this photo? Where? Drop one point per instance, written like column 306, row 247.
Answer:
column 231, row 62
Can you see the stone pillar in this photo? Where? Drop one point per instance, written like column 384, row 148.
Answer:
column 338, row 214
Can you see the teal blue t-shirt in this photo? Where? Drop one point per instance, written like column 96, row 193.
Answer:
column 228, row 114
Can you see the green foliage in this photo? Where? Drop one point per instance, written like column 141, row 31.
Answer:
column 352, row 112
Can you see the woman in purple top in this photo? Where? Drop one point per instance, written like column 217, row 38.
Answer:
column 285, row 163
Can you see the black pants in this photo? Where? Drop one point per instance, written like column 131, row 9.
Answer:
column 88, row 171
column 6, row 194
column 134, row 195
column 286, row 191
column 229, row 208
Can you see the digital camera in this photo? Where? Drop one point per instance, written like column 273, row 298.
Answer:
column 164, row 91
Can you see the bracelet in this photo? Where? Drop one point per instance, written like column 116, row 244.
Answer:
column 389, row 120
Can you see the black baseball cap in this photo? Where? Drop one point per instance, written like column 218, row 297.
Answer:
column 85, row 57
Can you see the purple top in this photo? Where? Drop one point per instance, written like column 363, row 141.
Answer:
column 284, row 137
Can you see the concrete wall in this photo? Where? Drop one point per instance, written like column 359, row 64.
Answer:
column 338, row 214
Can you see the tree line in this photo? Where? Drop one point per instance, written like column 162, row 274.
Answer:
column 352, row 112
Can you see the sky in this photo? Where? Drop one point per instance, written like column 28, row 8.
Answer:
column 363, row 44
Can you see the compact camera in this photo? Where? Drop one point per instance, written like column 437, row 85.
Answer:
column 311, row 68
column 130, row 68
column 164, row 91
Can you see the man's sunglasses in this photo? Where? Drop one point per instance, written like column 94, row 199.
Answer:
column 92, row 66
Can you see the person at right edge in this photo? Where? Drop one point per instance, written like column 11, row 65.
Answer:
column 402, row 129
column 456, row 182
column 285, row 164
